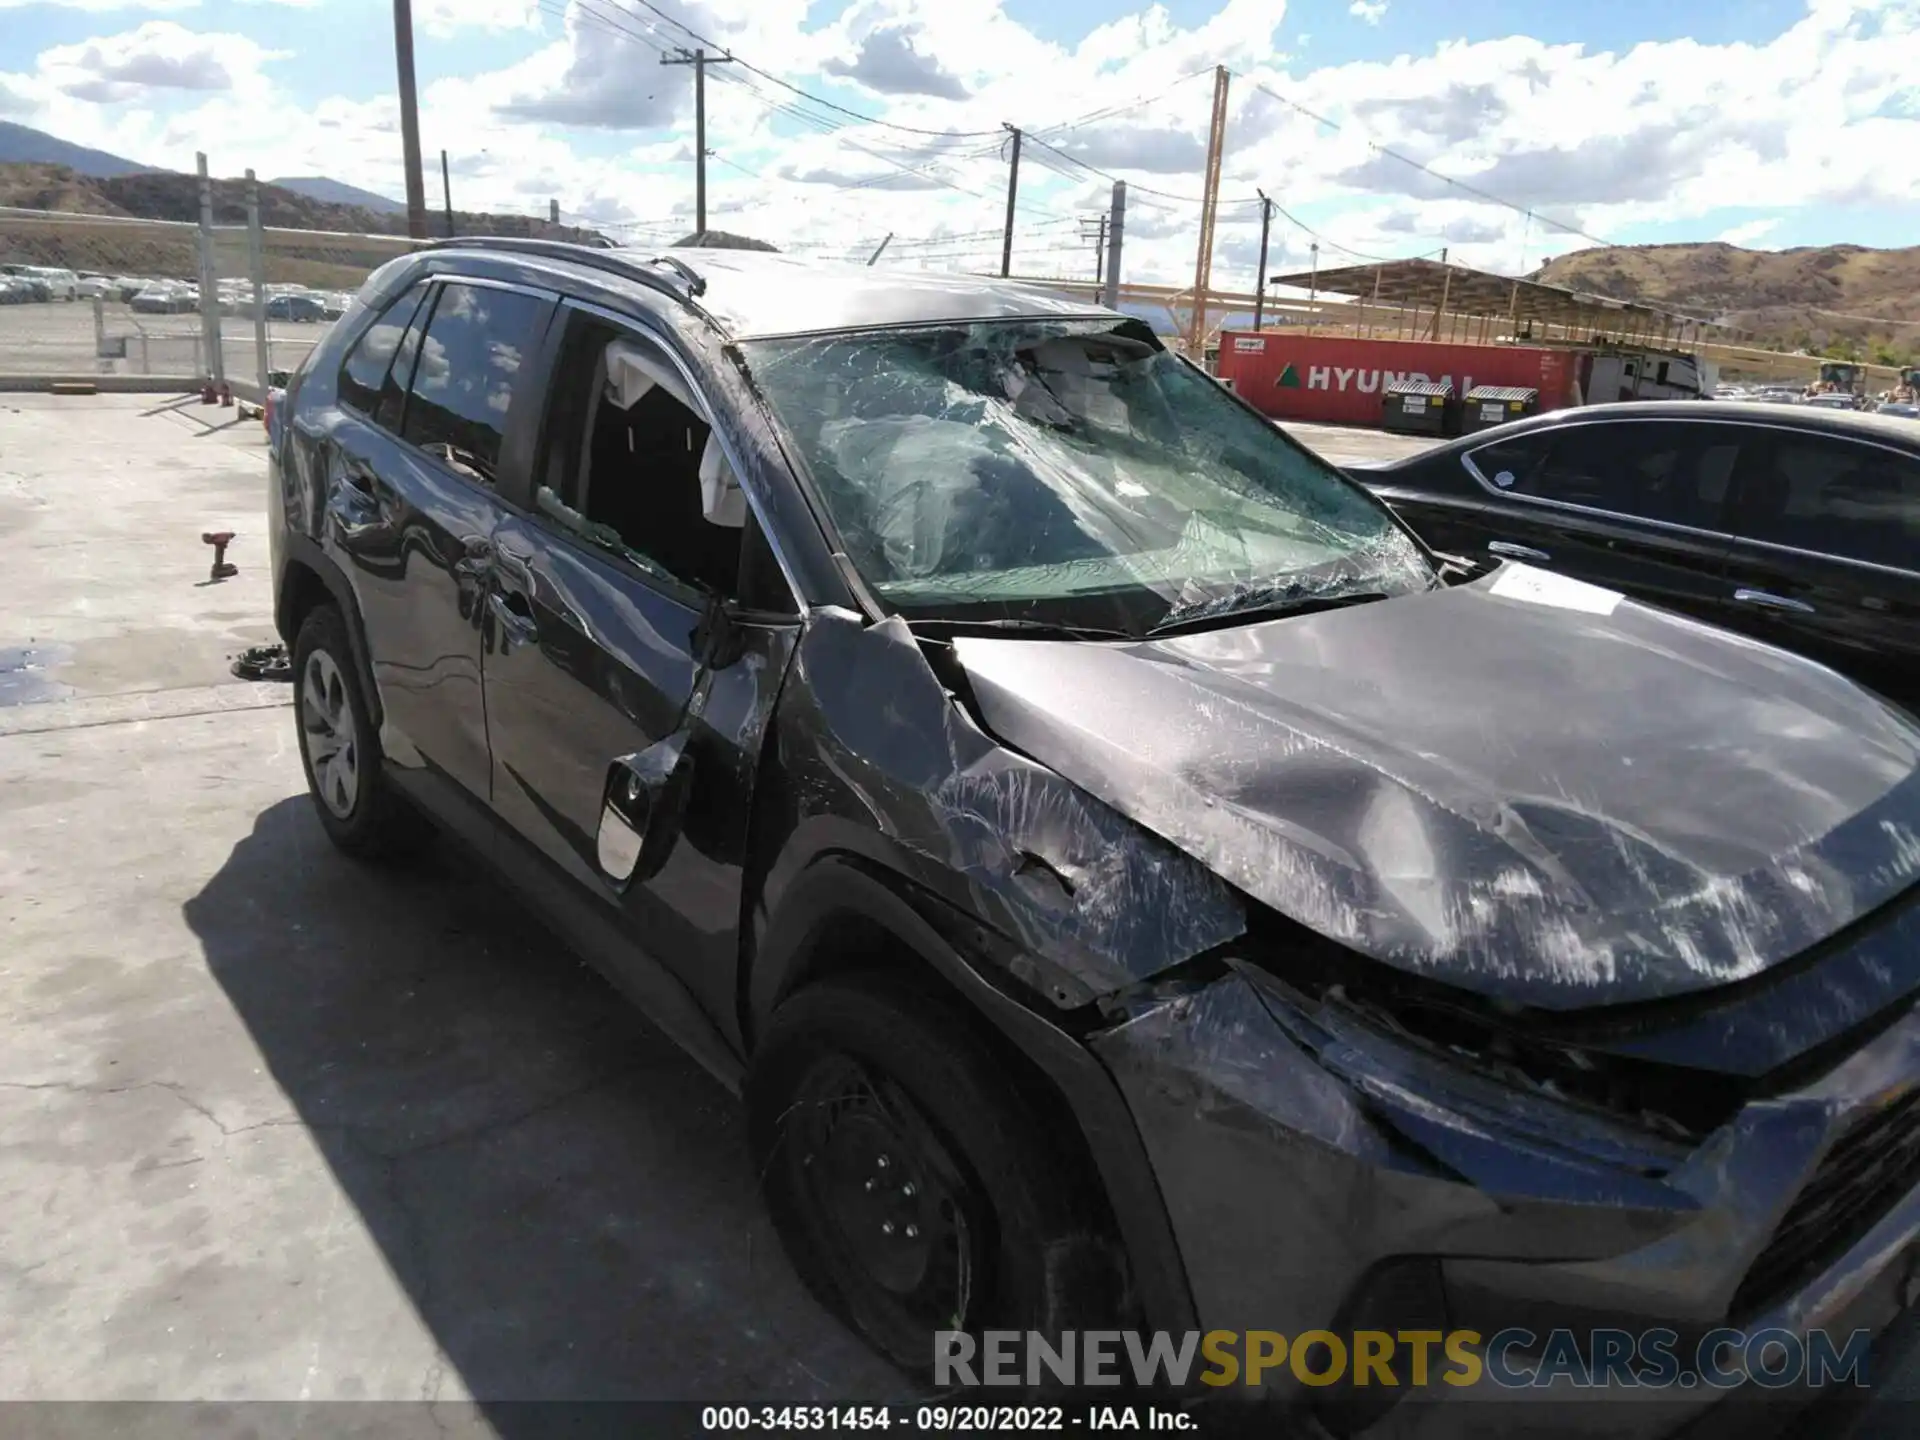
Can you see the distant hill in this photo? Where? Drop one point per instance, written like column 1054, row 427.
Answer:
column 21, row 145
column 335, row 192
column 164, row 195
column 1806, row 297
column 722, row 240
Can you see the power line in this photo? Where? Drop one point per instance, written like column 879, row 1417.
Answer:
column 1428, row 170
column 803, row 94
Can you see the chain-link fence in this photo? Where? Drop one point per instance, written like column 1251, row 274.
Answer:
column 207, row 294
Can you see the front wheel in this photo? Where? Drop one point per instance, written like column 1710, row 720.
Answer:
column 914, row 1185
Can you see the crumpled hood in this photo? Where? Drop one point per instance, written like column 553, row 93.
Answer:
column 1528, row 787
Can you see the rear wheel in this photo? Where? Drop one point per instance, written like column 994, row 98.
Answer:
column 340, row 749
column 915, row 1187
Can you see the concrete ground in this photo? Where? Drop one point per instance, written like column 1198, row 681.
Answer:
column 274, row 1126
column 278, row 1127
column 1349, row 444
column 57, row 338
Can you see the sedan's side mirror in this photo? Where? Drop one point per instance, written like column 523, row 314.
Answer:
column 642, row 810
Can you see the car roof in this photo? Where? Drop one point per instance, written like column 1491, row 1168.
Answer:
column 1859, row 424
column 751, row 294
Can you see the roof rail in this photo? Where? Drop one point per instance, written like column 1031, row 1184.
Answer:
column 658, row 272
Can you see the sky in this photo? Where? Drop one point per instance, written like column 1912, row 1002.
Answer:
column 1504, row 133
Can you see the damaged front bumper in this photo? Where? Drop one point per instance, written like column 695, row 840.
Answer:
column 1322, row 1173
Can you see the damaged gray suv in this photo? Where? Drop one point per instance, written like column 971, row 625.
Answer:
column 1132, row 881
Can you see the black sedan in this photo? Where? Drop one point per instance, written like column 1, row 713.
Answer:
column 1797, row 526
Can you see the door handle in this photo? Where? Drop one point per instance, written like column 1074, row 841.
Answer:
column 514, row 617
column 1515, row 552
column 1766, row 600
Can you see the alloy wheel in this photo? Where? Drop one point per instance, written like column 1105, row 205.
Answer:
column 333, row 748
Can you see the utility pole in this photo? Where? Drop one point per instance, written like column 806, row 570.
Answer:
column 1209, row 210
column 409, row 119
column 1260, row 280
column 699, row 60
column 446, row 192
column 1095, row 229
column 1013, row 191
column 1116, row 228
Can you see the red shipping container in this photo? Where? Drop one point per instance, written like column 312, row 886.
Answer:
column 1337, row 380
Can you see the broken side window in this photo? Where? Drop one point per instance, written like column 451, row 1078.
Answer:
column 630, row 463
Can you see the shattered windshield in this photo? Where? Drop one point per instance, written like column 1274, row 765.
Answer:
column 1071, row 467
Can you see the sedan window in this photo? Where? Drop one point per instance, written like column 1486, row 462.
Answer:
column 1859, row 502
column 1677, row 472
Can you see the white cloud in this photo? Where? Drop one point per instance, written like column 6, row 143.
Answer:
column 1748, row 233
column 442, row 18
column 1368, row 11
column 1662, row 134
column 158, row 56
column 97, row 5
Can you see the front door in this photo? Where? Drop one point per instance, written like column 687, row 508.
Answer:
column 413, row 500
column 1827, row 555
column 625, row 704
column 1636, row 505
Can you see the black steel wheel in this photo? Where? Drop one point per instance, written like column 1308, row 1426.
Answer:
column 913, row 1184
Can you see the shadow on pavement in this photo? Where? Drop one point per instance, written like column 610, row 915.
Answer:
column 566, row 1198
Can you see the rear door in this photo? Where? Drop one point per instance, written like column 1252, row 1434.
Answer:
column 626, row 707
column 1636, row 505
column 417, row 453
column 1827, row 555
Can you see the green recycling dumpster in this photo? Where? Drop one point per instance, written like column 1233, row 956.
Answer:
column 1418, row 407
column 1488, row 405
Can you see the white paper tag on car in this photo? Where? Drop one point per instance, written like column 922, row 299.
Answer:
column 1543, row 587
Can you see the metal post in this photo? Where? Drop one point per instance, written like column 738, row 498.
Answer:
column 1116, row 228
column 1446, row 291
column 257, row 272
column 1313, row 288
column 216, row 369
column 1260, row 278
column 103, row 364
column 1013, row 192
column 1374, row 303
column 446, row 192
column 409, row 119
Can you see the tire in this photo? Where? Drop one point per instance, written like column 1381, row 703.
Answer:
column 871, row 1076
column 358, row 807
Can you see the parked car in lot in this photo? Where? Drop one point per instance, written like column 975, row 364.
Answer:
column 50, row 282
column 1134, row 881
column 301, row 309
column 16, row 290
column 1795, row 524
column 166, row 299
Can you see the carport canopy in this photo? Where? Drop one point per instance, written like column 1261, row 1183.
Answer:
column 1463, row 291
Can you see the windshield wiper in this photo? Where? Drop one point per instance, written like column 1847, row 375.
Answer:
column 1040, row 629
column 1285, row 602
